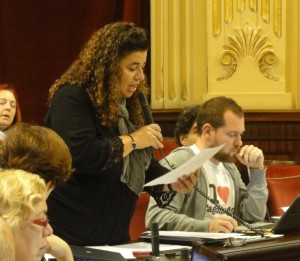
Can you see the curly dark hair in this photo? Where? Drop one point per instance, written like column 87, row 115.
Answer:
column 97, row 69
column 185, row 121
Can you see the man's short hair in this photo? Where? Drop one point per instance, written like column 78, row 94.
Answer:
column 212, row 112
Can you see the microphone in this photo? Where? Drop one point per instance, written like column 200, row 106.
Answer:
column 147, row 114
column 145, row 107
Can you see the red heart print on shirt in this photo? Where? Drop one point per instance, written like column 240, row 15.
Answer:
column 223, row 193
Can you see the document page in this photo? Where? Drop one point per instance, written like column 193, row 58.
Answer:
column 196, row 235
column 128, row 250
column 188, row 167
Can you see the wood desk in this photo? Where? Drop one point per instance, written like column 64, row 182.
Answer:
column 286, row 248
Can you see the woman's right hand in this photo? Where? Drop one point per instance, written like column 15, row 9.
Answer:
column 148, row 136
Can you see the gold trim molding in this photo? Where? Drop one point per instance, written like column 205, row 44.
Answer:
column 265, row 6
column 248, row 41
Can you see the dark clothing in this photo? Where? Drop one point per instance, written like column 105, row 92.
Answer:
column 94, row 207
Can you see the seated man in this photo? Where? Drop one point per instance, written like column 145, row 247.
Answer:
column 220, row 121
column 185, row 131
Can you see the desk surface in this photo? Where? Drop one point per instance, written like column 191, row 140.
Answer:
column 285, row 248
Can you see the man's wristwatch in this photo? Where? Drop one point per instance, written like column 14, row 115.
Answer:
column 133, row 143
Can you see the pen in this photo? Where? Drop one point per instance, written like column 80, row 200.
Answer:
column 248, row 232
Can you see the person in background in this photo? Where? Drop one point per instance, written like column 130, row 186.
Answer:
column 94, row 107
column 10, row 112
column 220, row 121
column 39, row 150
column 185, row 131
column 23, row 207
column 7, row 243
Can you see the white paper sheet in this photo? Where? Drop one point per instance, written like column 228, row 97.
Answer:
column 254, row 238
column 188, row 167
column 200, row 235
column 126, row 253
column 127, row 250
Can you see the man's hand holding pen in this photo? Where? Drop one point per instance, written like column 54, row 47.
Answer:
column 222, row 223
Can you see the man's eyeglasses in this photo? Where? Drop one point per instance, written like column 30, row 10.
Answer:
column 41, row 222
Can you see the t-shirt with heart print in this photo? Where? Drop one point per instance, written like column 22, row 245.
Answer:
column 219, row 187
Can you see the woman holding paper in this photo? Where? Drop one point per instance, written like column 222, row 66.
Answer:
column 94, row 107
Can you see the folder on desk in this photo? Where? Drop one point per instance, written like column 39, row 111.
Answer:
column 83, row 253
column 186, row 238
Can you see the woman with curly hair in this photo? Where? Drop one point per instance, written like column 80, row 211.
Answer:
column 23, row 207
column 39, row 150
column 94, row 107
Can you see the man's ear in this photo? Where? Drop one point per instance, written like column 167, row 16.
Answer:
column 182, row 140
column 207, row 129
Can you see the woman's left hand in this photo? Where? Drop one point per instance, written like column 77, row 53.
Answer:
column 59, row 249
column 186, row 183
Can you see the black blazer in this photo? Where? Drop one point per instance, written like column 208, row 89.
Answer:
column 93, row 207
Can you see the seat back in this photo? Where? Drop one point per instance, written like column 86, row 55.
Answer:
column 284, row 185
column 137, row 224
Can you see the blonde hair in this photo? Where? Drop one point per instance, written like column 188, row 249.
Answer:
column 20, row 191
column 7, row 243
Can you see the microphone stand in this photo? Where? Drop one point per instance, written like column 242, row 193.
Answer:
column 155, row 254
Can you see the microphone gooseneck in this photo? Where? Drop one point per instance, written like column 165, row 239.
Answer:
column 155, row 239
column 155, row 254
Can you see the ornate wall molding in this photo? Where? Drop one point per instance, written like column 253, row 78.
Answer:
column 244, row 49
column 241, row 6
column 248, row 41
